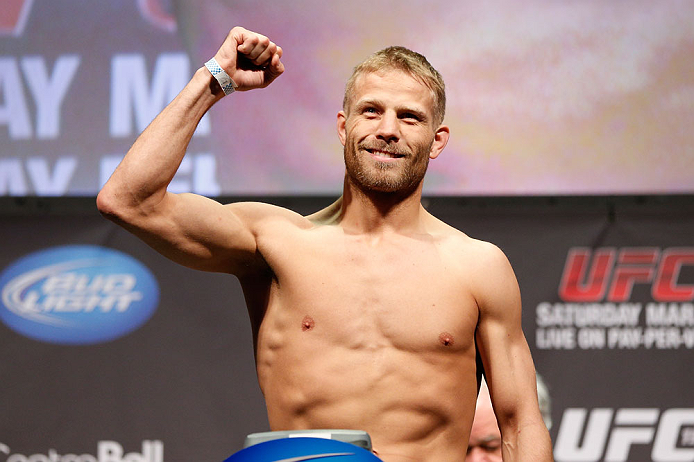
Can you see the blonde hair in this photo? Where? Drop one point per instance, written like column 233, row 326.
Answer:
column 411, row 62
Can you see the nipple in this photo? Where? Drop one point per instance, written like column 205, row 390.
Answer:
column 307, row 323
column 446, row 339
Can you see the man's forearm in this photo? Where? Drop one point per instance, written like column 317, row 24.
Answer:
column 247, row 60
column 530, row 443
column 152, row 161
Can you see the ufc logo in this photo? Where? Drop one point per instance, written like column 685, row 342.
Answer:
column 581, row 441
column 612, row 273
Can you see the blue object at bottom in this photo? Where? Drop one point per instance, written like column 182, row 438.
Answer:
column 301, row 449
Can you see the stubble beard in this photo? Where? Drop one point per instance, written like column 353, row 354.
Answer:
column 402, row 176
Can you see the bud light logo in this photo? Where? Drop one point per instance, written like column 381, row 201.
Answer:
column 77, row 295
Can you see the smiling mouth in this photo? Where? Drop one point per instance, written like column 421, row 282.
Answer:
column 384, row 154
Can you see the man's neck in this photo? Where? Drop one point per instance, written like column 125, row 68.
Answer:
column 375, row 212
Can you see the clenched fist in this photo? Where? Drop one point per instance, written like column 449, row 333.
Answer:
column 250, row 59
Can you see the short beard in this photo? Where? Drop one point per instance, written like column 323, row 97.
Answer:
column 364, row 177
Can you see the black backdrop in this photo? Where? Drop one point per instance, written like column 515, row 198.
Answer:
column 182, row 386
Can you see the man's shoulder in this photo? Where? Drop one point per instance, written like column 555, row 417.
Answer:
column 483, row 266
column 459, row 241
column 261, row 215
column 481, row 262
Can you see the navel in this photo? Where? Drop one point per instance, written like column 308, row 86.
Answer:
column 307, row 323
column 446, row 339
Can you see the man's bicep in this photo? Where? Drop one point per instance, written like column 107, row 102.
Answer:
column 509, row 372
column 502, row 345
column 199, row 232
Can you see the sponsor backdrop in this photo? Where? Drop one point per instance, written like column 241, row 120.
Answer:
column 112, row 353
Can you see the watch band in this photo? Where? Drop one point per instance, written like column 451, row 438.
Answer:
column 227, row 84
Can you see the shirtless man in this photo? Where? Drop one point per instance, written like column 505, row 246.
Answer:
column 367, row 314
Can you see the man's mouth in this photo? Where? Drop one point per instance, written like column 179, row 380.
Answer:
column 384, row 154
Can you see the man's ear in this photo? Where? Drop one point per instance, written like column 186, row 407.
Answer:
column 341, row 122
column 440, row 141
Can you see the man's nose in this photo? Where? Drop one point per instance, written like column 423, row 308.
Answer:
column 388, row 128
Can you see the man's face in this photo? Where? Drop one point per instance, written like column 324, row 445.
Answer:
column 389, row 133
column 485, row 437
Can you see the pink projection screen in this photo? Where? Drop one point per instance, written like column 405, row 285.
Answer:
column 545, row 97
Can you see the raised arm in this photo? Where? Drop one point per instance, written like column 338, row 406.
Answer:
column 508, row 365
column 190, row 229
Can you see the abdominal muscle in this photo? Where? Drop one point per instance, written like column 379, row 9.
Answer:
column 416, row 403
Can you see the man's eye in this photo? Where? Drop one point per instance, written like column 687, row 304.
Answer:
column 490, row 447
column 369, row 110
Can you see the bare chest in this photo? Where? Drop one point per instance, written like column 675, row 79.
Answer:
column 407, row 293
